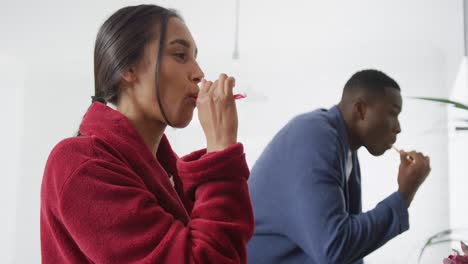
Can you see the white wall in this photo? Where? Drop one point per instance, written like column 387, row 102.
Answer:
column 458, row 143
column 11, row 116
column 297, row 53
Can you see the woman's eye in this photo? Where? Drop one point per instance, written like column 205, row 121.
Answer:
column 180, row 56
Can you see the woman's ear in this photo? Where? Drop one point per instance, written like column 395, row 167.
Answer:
column 129, row 75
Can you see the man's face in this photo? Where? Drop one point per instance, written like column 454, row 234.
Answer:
column 380, row 125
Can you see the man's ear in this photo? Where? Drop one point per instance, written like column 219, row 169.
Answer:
column 360, row 109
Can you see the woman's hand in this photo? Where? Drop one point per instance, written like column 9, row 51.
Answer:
column 217, row 112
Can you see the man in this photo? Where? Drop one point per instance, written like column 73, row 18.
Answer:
column 305, row 187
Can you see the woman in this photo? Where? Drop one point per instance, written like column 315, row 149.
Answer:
column 117, row 193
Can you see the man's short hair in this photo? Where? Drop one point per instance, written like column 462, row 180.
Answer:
column 371, row 82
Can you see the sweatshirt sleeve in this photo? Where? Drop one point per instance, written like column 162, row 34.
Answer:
column 318, row 220
column 113, row 218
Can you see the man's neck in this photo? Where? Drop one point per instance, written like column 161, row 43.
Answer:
column 353, row 140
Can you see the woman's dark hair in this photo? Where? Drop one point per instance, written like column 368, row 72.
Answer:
column 120, row 44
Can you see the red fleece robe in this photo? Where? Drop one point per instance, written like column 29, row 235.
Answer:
column 106, row 198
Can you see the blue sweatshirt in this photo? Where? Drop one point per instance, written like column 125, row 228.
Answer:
column 306, row 211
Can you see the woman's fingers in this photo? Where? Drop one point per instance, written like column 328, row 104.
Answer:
column 205, row 87
column 218, row 90
column 222, row 87
column 229, row 84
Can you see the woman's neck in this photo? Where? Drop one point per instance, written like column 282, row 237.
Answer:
column 151, row 130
